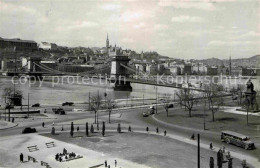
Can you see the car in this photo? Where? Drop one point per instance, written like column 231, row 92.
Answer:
column 145, row 114
column 28, row 130
column 67, row 104
column 58, row 111
column 36, row 105
column 170, row 105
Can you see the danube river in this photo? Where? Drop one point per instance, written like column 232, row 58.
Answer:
column 50, row 92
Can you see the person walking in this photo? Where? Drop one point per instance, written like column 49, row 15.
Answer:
column 43, row 124
column 147, row 129
column 165, row 133
column 157, row 130
column 77, row 128
column 105, row 163
column 192, row 137
column 13, row 120
column 115, row 163
column 62, row 128
column 21, row 157
column 211, row 146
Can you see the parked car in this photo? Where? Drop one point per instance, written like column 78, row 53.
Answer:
column 170, row 105
column 67, row 104
column 36, row 105
column 28, row 130
column 58, row 111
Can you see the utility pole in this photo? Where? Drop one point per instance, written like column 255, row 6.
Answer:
column 204, row 122
column 156, row 98
column 198, row 150
column 89, row 101
column 28, row 105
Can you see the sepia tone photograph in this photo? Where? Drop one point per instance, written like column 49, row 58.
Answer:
column 129, row 83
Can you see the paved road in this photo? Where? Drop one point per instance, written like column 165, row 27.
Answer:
column 134, row 118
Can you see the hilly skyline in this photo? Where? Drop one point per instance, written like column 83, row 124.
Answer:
column 178, row 29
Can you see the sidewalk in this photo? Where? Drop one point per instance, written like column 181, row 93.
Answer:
column 5, row 125
column 14, row 145
column 233, row 110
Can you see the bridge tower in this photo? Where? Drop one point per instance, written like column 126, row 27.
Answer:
column 31, row 66
column 119, row 73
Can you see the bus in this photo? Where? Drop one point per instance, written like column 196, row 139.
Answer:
column 237, row 139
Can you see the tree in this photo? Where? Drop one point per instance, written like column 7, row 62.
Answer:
column 71, row 129
column 110, row 106
column 87, row 134
column 166, row 103
column 95, row 102
column 212, row 92
column 103, row 129
column 186, row 98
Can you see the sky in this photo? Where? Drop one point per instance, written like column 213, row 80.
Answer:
column 187, row 29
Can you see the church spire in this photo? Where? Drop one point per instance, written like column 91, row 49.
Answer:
column 107, row 42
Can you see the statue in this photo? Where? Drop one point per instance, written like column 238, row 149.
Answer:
column 250, row 102
column 250, row 86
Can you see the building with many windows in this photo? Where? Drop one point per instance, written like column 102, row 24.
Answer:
column 20, row 45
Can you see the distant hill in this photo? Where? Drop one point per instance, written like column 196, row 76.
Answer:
column 253, row 61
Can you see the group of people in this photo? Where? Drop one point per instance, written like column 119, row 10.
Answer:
column 65, row 154
column 108, row 166
column 157, row 130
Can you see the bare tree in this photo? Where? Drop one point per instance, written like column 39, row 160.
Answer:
column 167, row 104
column 110, row 106
column 95, row 103
column 213, row 93
column 186, row 98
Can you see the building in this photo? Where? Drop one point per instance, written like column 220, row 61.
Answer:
column 48, row 46
column 20, row 45
column 187, row 69
column 212, row 71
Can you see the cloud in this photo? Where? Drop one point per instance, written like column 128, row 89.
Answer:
column 160, row 27
column 111, row 7
column 130, row 16
column 231, row 43
column 139, row 25
column 82, row 24
column 185, row 18
column 128, row 40
column 182, row 4
column 9, row 8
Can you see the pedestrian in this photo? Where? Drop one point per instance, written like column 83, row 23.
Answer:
column 43, row 124
column 13, row 120
column 165, row 133
column 60, row 159
column 157, row 130
column 192, row 137
column 53, row 124
column 147, row 129
column 223, row 149
column 211, row 146
column 115, row 163
column 21, row 157
column 77, row 128
column 108, row 166
column 129, row 129
column 105, row 163
column 62, row 128
column 45, row 111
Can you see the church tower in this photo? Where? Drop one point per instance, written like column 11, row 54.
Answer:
column 107, row 42
column 230, row 65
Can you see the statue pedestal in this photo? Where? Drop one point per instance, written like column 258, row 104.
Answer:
column 250, row 103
